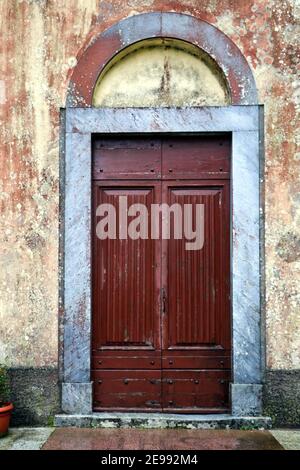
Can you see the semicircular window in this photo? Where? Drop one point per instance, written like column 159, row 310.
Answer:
column 161, row 73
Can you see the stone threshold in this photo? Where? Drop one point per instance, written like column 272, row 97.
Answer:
column 162, row 421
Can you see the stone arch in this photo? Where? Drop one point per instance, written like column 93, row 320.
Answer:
column 214, row 45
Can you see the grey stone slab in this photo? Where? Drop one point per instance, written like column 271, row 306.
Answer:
column 77, row 397
column 25, row 438
column 246, row 258
column 77, row 265
column 162, row 421
column 288, row 438
column 156, row 120
column 246, row 399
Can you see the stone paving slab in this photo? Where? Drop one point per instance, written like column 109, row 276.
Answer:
column 159, row 439
column 25, row 438
column 176, row 439
column 288, row 438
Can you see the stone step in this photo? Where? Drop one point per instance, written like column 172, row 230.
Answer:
column 162, row 421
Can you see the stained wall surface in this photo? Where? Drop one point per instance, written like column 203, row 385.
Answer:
column 161, row 73
column 40, row 42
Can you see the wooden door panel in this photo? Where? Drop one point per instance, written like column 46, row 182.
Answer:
column 123, row 389
column 135, row 158
column 125, row 281
column 197, row 282
column 200, row 157
column 194, row 390
column 196, row 360
column 127, row 359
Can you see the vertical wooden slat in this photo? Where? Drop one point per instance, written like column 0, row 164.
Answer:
column 126, row 272
column 192, row 275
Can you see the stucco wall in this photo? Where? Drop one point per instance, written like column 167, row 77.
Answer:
column 40, row 41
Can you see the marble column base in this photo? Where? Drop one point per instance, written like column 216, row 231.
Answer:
column 77, row 398
column 246, row 399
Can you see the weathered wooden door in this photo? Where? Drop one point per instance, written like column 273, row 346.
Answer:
column 161, row 312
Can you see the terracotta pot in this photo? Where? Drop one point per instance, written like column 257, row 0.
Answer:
column 5, row 414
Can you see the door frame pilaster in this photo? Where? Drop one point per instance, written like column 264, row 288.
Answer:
column 75, row 345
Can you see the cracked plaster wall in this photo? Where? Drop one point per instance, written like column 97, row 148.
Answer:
column 40, row 40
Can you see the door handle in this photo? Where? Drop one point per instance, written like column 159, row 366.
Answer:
column 163, row 300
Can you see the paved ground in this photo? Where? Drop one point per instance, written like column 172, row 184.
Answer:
column 156, row 439
column 25, row 438
column 288, row 438
column 160, row 439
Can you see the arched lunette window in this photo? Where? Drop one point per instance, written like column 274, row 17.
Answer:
column 161, row 72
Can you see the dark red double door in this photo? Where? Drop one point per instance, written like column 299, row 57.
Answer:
column 161, row 312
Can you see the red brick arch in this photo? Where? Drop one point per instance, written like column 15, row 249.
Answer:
column 210, row 39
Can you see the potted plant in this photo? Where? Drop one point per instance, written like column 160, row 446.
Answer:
column 5, row 406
